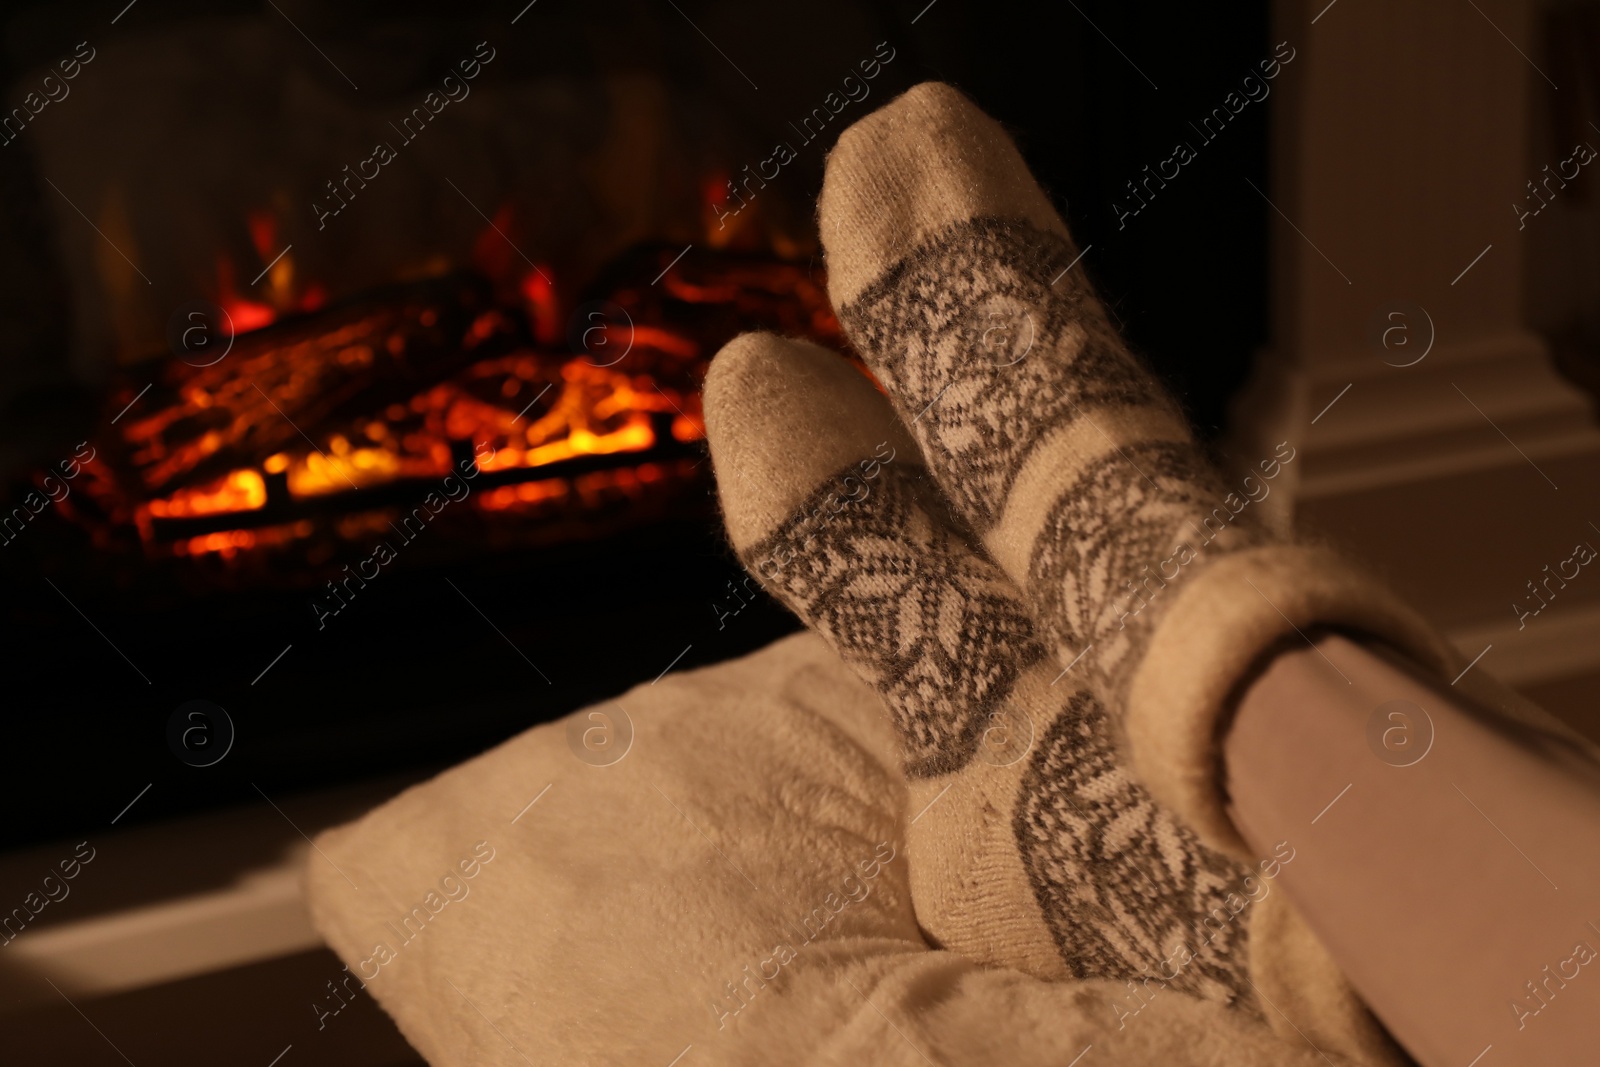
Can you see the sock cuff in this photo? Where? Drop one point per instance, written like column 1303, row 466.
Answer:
column 1215, row 633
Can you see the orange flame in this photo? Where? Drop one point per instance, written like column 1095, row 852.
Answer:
column 521, row 411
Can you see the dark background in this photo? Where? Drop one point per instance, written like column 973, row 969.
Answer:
column 412, row 677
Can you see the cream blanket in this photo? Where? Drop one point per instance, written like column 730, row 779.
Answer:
column 732, row 890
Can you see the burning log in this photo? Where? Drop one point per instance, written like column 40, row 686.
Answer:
column 310, row 371
column 322, row 425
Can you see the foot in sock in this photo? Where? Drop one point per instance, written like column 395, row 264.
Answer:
column 1029, row 844
column 963, row 291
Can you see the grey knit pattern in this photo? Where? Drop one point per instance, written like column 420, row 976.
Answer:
column 889, row 581
column 982, row 354
column 1118, row 544
column 1127, row 890
column 987, row 342
column 909, row 605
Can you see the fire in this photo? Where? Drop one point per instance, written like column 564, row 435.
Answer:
column 527, row 416
column 507, row 497
column 722, row 226
column 242, row 490
column 540, row 293
column 263, row 227
column 243, row 314
column 229, row 543
column 277, row 284
column 341, row 467
column 314, row 408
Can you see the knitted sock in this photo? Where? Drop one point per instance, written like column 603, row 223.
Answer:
column 1029, row 845
column 963, row 291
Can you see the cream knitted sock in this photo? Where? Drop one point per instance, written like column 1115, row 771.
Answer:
column 961, row 288
column 1029, row 845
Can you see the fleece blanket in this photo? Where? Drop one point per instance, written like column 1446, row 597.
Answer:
column 711, row 870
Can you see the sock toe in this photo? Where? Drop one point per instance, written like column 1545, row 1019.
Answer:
column 924, row 162
column 782, row 417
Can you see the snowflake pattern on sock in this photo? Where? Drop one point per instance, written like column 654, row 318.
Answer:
column 985, row 342
column 909, row 605
column 1120, row 543
column 893, row 584
column 1124, row 887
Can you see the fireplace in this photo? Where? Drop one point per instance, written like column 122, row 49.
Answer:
column 385, row 453
column 277, row 449
column 350, row 358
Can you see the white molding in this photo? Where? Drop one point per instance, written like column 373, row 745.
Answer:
column 262, row 917
column 1552, row 647
column 1397, row 425
column 1410, row 427
column 111, row 934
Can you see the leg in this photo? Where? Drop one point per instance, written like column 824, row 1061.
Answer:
column 1452, row 865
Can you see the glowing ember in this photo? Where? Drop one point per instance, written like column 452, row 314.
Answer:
column 238, row 491
column 327, row 424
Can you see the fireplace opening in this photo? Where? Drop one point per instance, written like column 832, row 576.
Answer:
column 353, row 386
